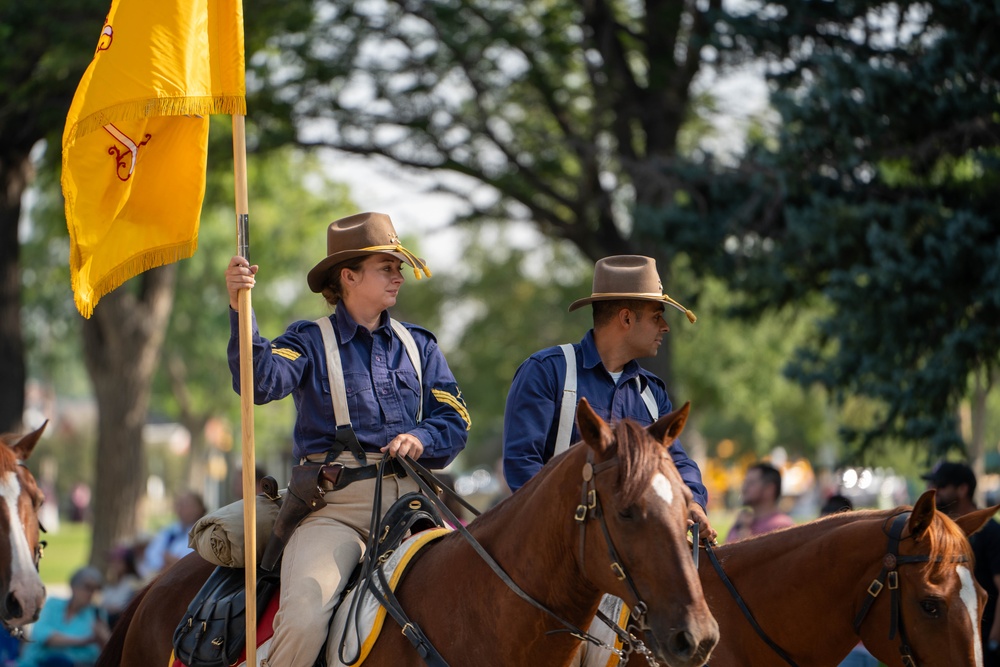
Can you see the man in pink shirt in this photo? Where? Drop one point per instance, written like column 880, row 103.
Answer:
column 761, row 491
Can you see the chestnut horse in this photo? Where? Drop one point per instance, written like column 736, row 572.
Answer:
column 807, row 588
column 557, row 549
column 20, row 586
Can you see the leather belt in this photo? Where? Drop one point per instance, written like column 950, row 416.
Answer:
column 334, row 476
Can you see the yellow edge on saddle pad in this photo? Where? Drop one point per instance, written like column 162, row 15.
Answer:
column 415, row 545
column 622, row 620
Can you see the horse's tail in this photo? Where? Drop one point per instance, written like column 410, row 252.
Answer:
column 113, row 651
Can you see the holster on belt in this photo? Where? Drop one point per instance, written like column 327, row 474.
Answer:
column 305, row 495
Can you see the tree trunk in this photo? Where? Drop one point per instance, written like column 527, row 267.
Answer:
column 15, row 170
column 122, row 342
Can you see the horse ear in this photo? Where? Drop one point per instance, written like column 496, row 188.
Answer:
column 971, row 523
column 922, row 515
column 666, row 429
column 26, row 444
column 594, row 431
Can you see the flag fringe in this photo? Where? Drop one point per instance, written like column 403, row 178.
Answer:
column 149, row 259
column 162, row 106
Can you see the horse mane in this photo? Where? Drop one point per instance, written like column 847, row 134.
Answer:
column 948, row 545
column 638, row 460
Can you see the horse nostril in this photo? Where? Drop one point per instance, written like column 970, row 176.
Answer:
column 12, row 607
column 682, row 644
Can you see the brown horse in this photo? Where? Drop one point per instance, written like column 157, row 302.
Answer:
column 808, row 586
column 547, row 541
column 20, row 586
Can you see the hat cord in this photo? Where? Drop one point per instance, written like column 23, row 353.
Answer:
column 418, row 264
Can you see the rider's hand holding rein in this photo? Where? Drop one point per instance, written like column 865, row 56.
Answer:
column 239, row 275
column 404, row 444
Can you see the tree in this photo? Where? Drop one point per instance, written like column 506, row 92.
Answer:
column 877, row 194
column 562, row 109
column 40, row 73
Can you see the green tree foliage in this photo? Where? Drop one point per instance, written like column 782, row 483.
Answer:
column 878, row 195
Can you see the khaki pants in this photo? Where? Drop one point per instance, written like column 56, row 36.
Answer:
column 317, row 562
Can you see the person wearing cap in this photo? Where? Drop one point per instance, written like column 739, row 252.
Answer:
column 365, row 387
column 955, row 487
column 628, row 306
column 70, row 632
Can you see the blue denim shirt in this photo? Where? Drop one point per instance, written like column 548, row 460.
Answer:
column 382, row 387
column 531, row 417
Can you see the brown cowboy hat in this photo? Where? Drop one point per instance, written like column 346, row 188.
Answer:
column 628, row 277
column 358, row 235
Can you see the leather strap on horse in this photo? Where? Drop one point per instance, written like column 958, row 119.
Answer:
column 385, row 596
column 744, row 608
column 889, row 576
column 420, row 475
column 306, row 494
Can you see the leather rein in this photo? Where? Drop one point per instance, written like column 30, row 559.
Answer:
column 589, row 507
column 887, row 577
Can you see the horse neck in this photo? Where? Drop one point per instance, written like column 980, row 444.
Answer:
column 540, row 518
column 831, row 560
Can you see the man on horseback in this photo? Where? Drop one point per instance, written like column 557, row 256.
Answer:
column 365, row 386
column 628, row 304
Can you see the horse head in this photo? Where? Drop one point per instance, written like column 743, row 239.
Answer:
column 641, row 553
column 931, row 595
column 21, row 587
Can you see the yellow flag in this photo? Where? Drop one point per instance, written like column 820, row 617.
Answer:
column 135, row 145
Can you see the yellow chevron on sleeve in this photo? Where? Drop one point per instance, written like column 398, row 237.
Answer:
column 454, row 402
column 291, row 355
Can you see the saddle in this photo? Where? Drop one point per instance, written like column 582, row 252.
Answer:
column 213, row 631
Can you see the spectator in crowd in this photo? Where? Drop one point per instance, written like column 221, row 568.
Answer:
column 761, row 493
column 69, row 632
column 836, row 503
column 171, row 544
column 123, row 582
column 955, row 484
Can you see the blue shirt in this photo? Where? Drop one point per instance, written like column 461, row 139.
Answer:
column 53, row 620
column 531, row 417
column 383, row 392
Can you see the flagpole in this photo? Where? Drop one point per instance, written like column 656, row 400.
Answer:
column 246, row 389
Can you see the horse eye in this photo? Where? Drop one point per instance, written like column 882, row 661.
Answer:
column 931, row 607
column 626, row 513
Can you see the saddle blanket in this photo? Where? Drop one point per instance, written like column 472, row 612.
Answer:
column 591, row 655
column 370, row 616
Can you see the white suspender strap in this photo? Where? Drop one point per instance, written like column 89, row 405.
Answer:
column 648, row 399
column 411, row 351
column 335, row 373
column 567, row 413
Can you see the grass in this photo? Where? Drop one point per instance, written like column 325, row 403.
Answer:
column 68, row 549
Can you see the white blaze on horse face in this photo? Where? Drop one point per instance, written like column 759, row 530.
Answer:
column 662, row 488
column 25, row 584
column 968, row 595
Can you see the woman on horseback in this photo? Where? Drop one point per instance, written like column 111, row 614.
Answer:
column 365, row 387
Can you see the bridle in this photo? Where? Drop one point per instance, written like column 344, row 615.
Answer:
column 589, row 507
column 887, row 577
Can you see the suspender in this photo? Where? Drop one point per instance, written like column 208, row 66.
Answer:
column 567, row 411
column 338, row 388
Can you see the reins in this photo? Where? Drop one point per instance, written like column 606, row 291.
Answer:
column 888, row 576
column 590, row 505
